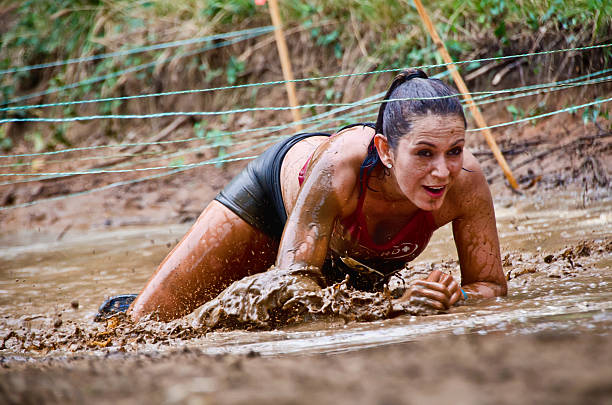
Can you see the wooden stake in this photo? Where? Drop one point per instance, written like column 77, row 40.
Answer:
column 285, row 62
column 480, row 121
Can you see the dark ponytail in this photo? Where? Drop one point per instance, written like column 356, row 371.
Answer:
column 400, row 79
column 419, row 96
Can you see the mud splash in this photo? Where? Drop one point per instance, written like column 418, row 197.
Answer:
column 280, row 298
column 556, row 254
column 563, row 289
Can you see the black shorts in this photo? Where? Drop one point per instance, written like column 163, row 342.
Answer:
column 255, row 193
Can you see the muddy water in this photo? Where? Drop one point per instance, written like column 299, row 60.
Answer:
column 556, row 254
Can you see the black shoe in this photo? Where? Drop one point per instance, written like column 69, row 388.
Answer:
column 114, row 305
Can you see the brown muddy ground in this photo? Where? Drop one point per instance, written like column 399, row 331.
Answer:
column 547, row 342
column 561, row 355
column 543, row 368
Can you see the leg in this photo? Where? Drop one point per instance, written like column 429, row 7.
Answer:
column 218, row 249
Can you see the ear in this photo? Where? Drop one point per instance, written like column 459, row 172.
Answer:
column 383, row 148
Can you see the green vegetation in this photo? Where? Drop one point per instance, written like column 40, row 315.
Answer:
column 590, row 114
column 373, row 34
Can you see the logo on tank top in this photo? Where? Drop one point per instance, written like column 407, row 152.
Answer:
column 403, row 250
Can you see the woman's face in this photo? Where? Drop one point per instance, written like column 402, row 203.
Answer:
column 427, row 160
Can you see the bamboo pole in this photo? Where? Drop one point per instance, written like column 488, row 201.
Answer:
column 285, row 62
column 480, row 121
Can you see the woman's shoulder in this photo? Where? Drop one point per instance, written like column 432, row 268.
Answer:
column 335, row 166
column 346, row 148
column 471, row 173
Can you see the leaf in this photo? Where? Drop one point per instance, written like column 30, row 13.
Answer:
column 220, row 155
column 6, row 143
column 37, row 140
column 500, row 31
column 338, row 50
column 177, row 162
column 59, row 136
column 215, row 136
column 200, row 129
column 234, row 68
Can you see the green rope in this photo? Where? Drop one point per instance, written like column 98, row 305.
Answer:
column 132, row 69
column 180, row 153
column 181, row 169
column 277, row 82
column 259, row 30
column 128, row 182
column 548, row 114
column 547, row 90
column 269, row 128
column 568, row 109
column 283, row 108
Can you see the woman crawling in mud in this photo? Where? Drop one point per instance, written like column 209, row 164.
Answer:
column 361, row 202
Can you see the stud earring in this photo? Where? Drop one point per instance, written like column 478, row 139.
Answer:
column 389, row 165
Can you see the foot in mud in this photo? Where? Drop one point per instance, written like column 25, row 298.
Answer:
column 114, row 305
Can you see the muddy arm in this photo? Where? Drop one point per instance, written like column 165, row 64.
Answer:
column 475, row 234
column 294, row 285
column 329, row 192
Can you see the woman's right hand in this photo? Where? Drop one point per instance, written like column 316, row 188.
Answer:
column 438, row 291
column 264, row 299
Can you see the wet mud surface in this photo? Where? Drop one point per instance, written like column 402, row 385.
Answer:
column 548, row 341
column 469, row 369
column 567, row 289
column 280, row 298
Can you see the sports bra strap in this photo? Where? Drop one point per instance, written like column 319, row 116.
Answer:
column 302, row 174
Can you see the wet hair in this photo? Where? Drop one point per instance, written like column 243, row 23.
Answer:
column 395, row 118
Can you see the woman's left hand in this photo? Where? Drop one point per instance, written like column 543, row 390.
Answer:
column 439, row 291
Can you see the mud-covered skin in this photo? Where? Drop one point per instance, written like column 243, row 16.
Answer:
column 431, row 155
column 264, row 300
column 284, row 297
column 219, row 249
column 425, row 173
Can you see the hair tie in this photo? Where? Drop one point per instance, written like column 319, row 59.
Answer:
column 401, row 78
column 412, row 74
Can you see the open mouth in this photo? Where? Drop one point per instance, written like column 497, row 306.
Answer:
column 435, row 191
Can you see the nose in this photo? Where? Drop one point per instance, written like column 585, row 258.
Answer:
column 440, row 168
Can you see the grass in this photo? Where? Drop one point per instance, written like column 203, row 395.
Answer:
column 347, row 35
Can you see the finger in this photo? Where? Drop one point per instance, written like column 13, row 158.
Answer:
column 434, row 295
column 434, row 276
column 434, row 286
column 446, row 279
column 438, row 296
column 454, row 298
column 417, row 300
column 452, row 286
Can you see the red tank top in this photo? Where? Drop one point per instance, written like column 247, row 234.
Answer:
column 405, row 246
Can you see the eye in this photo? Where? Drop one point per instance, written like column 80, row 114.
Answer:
column 455, row 151
column 424, row 153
